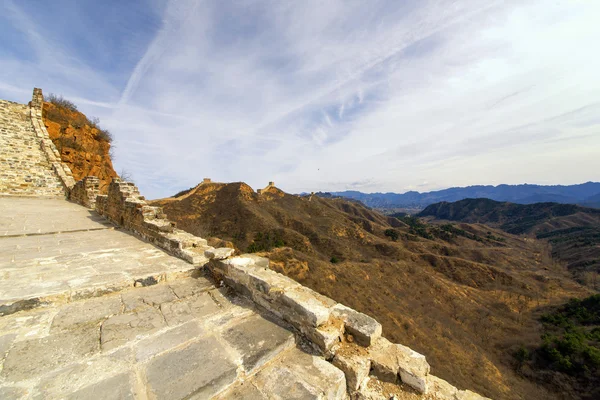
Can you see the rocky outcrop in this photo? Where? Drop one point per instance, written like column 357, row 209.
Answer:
column 81, row 145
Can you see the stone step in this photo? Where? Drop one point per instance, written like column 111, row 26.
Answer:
column 174, row 340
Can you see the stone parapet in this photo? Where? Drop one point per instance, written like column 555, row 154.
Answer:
column 349, row 339
column 124, row 206
column 85, row 191
column 61, row 169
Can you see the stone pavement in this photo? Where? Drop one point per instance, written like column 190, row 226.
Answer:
column 76, row 325
column 184, row 339
column 54, row 251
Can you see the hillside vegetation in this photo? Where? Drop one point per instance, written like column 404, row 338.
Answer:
column 572, row 231
column 466, row 295
column 83, row 145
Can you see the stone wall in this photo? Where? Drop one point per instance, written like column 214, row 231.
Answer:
column 352, row 341
column 85, row 191
column 52, row 154
column 124, row 206
column 25, row 169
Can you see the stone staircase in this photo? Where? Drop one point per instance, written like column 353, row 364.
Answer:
column 24, row 167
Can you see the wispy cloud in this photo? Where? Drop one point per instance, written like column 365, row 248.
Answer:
column 378, row 95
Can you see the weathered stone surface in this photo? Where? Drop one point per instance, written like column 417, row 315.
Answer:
column 89, row 311
column 188, row 287
column 13, row 393
column 29, row 358
column 302, row 376
column 413, row 368
column 355, row 367
column 120, row 329
column 197, row 306
column 88, row 259
column 364, row 328
column 242, row 390
column 148, row 296
column 71, row 378
column 258, row 340
column 389, row 360
column 326, row 336
column 201, row 369
column 154, row 345
column 309, row 307
column 219, row 254
column 114, row 388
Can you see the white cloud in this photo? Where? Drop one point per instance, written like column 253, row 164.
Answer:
column 379, row 95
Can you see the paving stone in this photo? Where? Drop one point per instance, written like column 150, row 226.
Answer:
column 197, row 306
column 152, row 296
column 88, row 311
column 188, row 287
column 74, row 377
column 242, row 390
column 5, row 342
column 258, row 340
column 13, row 393
column 29, row 358
column 114, row 388
column 120, row 329
column 298, row 375
column 165, row 341
column 201, row 370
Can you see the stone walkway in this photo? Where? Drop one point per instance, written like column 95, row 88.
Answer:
column 57, row 251
column 75, row 326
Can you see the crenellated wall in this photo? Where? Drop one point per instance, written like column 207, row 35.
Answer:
column 124, row 206
column 85, row 191
column 352, row 341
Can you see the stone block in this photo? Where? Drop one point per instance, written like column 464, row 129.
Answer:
column 258, row 340
column 363, row 328
column 88, row 311
column 269, row 282
column 120, row 329
column 307, row 306
column 389, row 360
column 196, row 306
column 242, row 390
column 152, row 295
column 326, row 337
column 219, row 254
column 200, row 369
column 413, row 368
column 157, row 344
column 355, row 367
column 114, row 388
column 29, row 358
column 298, row 375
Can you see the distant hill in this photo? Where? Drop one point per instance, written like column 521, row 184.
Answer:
column 585, row 194
column 462, row 289
column 573, row 231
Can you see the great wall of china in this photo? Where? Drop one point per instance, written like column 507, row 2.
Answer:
column 103, row 297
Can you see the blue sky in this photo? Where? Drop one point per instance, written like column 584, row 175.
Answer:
column 362, row 95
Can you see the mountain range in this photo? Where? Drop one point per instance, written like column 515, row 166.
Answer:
column 586, row 194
